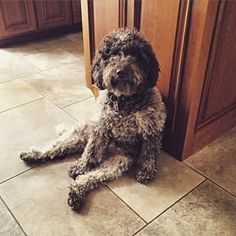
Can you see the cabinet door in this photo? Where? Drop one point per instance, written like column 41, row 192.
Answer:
column 98, row 19
column 76, row 8
column 160, row 30
column 208, row 94
column 53, row 13
column 16, row 17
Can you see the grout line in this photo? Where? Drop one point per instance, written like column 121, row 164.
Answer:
column 127, row 205
column 13, row 216
column 3, row 82
column 38, row 165
column 81, row 100
column 210, row 180
column 170, row 206
column 140, row 230
column 76, row 121
column 22, row 105
column 46, row 98
column 14, row 176
column 62, row 110
column 223, row 189
column 21, row 76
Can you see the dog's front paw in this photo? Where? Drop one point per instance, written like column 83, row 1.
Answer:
column 145, row 177
column 76, row 170
column 31, row 157
column 76, row 199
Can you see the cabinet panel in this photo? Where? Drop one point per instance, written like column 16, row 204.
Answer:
column 219, row 90
column 53, row 13
column 158, row 23
column 16, row 17
column 98, row 19
column 207, row 102
column 76, row 8
column 106, row 18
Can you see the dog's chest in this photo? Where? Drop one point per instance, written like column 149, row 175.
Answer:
column 123, row 127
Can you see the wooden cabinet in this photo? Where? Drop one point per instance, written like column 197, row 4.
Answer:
column 16, row 17
column 206, row 100
column 195, row 45
column 24, row 19
column 53, row 13
column 76, row 10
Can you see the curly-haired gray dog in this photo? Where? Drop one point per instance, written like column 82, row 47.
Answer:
column 129, row 130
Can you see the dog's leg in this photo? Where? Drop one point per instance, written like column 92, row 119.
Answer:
column 108, row 170
column 94, row 152
column 147, row 163
column 71, row 142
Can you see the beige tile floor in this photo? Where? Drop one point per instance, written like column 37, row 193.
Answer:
column 42, row 86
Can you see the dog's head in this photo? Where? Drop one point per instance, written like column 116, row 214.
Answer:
column 125, row 63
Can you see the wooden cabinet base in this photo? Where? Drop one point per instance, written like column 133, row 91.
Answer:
column 29, row 19
column 40, row 34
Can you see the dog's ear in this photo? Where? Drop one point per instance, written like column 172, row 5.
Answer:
column 153, row 66
column 96, row 71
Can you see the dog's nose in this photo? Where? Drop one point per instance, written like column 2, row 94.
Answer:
column 122, row 72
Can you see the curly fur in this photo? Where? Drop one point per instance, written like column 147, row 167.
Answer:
column 129, row 129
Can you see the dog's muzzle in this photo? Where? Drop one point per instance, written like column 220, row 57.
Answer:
column 121, row 77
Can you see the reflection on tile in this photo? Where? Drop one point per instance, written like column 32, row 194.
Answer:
column 31, row 125
column 15, row 93
column 8, row 226
column 51, row 58
column 217, row 161
column 50, row 43
column 84, row 110
column 173, row 182
column 207, row 210
column 63, row 86
column 20, row 49
column 38, row 198
column 12, row 66
column 75, row 37
column 75, row 48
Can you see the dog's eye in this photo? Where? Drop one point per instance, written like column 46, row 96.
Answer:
column 128, row 51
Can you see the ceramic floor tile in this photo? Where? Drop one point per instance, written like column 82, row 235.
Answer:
column 20, row 49
column 51, row 58
column 206, row 211
column 38, row 199
column 63, row 86
column 50, row 43
column 217, row 161
column 16, row 92
column 75, row 37
column 84, row 110
column 31, row 125
column 13, row 66
column 173, row 182
column 8, row 225
column 75, row 48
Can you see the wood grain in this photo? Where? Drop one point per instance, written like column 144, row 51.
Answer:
column 76, row 10
column 16, row 18
column 159, row 23
column 53, row 13
column 106, row 18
